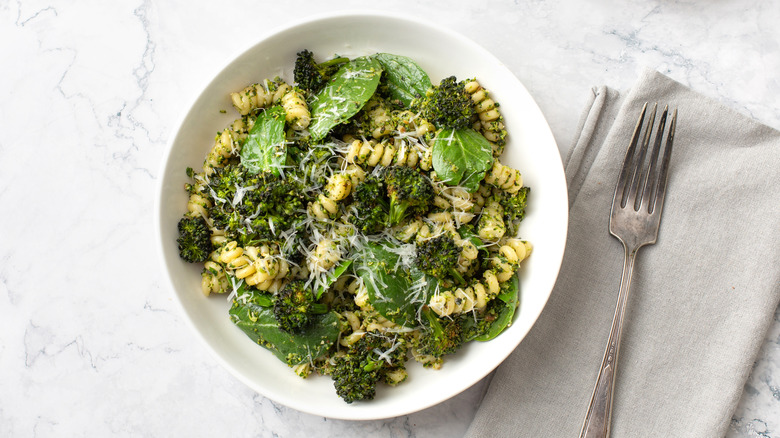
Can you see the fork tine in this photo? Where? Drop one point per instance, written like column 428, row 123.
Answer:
column 651, row 179
column 623, row 180
column 663, row 177
column 636, row 179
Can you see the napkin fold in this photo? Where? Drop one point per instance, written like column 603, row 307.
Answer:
column 702, row 297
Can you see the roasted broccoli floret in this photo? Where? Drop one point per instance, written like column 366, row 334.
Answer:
column 369, row 206
column 439, row 257
column 447, row 105
column 252, row 208
column 194, row 239
column 372, row 359
column 439, row 336
column 410, row 193
column 223, row 185
column 514, row 207
column 295, row 305
column 278, row 206
column 478, row 323
column 312, row 76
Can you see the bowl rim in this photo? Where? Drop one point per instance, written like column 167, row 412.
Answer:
column 207, row 83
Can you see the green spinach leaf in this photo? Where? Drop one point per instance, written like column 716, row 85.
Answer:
column 258, row 322
column 346, row 93
column 461, row 157
column 333, row 276
column 393, row 291
column 510, row 297
column 404, row 78
column 265, row 149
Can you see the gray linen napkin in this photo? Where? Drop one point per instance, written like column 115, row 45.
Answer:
column 702, row 297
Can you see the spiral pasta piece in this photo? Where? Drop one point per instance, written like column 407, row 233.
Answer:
column 508, row 258
column 411, row 124
column 418, row 229
column 198, row 205
column 352, row 320
column 468, row 253
column 407, row 231
column 303, row 370
column 490, row 122
column 355, row 173
column 232, row 256
column 323, row 208
column 504, row 268
column 226, row 145
column 443, row 303
column 362, row 299
column 245, row 100
column 378, row 323
column 258, row 96
column 442, row 218
column 324, row 256
column 395, row 376
column 481, row 195
column 405, row 154
column 435, row 224
column 465, row 300
column 522, row 248
column 297, row 113
column 350, row 339
column 491, row 226
column 338, row 187
column 213, row 279
column 218, row 237
column 459, row 300
column 480, row 295
column 397, row 151
column 504, row 177
column 491, row 283
column 265, row 269
column 353, row 284
column 475, row 296
column 257, row 266
column 380, row 122
column 461, row 203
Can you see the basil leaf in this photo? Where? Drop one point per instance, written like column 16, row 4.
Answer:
column 405, row 79
column 461, row 157
column 264, row 149
column 510, row 296
column 333, row 276
column 391, row 288
column 258, row 322
column 346, row 93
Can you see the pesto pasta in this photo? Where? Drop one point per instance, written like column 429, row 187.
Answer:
column 352, row 230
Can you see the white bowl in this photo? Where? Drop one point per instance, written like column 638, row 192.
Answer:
column 441, row 52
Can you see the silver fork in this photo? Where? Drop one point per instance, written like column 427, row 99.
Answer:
column 636, row 216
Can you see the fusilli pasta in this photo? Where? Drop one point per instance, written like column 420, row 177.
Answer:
column 490, row 122
column 504, row 177
column 329, row 225
column 257, row 96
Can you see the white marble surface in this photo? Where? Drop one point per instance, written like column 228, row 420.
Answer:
column 92, row 343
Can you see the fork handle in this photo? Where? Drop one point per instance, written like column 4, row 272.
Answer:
column 597, row 420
